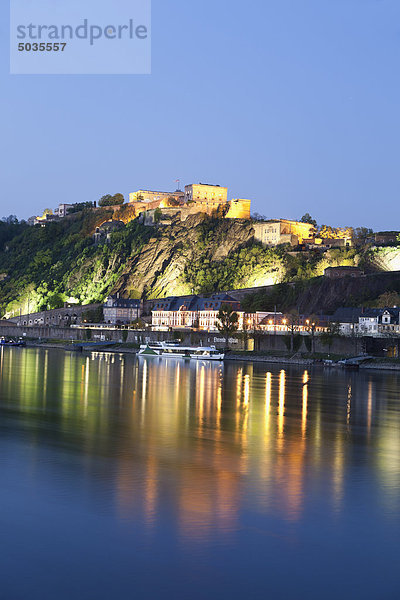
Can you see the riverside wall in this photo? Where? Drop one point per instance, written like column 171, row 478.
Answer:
column 67, row 334
column 261, row 343
column 70, row 334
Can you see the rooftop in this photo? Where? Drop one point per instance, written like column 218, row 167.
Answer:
column 347, row 315
column 195, row 303
column 157, row 191
column 209, row 184
column 116, row 302
column 343, row 268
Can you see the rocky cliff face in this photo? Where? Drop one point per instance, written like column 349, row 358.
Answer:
column 158, row 270
column 385, row 259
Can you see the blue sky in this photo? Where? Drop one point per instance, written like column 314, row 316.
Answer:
column 294, row 104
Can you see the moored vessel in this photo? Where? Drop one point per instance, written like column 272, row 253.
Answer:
column 11, row 342
column 172, row 350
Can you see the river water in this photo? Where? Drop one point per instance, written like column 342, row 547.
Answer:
column 162, row 478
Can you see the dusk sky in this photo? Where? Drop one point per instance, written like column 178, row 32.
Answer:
column 292, row 104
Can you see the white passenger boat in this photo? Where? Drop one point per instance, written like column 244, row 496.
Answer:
column 207, row 353
column 171, row 350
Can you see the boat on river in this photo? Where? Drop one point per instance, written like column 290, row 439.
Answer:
column 11, row 342
column 172, row 350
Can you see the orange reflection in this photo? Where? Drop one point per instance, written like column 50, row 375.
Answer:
column 305, row 402
column 369, row 409
column 281, row 409
column 338, row 473
column 151, row 491
column 246, row 389
column 268, row 386
column 203, row 436
column 239, row 378
column 349, row 394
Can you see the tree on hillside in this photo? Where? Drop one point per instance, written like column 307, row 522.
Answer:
column 106, row 200
column 109, row 200
column 307, row 218
column 79, row 206
column 10, row 220
column 55, row 300
column 388, row 300
column 228, row 322
column 157, row 215
column 361, row 234
column 328, row 232
column 257, row 217
column 118, row 199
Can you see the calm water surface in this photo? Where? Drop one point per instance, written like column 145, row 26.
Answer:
column 157, row 478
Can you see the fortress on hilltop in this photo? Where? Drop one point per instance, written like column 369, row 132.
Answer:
column 197, row 198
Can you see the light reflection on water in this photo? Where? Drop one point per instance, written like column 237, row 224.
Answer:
column 206, row 457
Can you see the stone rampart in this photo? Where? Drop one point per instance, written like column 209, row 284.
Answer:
column 56, row 317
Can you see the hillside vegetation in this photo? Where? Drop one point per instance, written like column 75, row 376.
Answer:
column 43, row 267
column 321, row 295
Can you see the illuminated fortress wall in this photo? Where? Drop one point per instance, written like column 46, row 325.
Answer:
column 302, row 230
column 239, row 209
column 272, row 233
column 197, row 198
column 154, row 196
